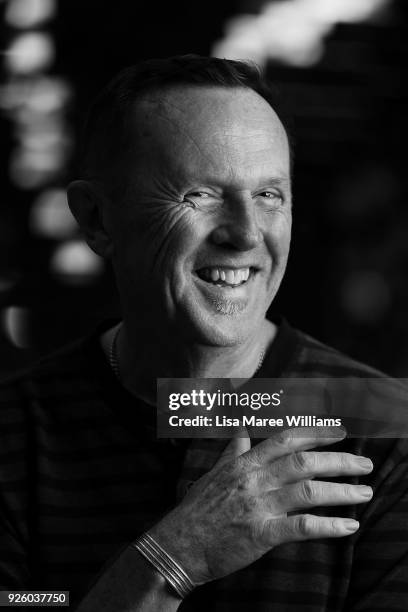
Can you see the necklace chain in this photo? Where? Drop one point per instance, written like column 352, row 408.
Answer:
column 114, row 357
column 260, row 362
column 113, row 354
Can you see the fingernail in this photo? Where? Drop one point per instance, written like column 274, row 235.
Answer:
column 365, row 463
column 365, row 491
column 350, row 524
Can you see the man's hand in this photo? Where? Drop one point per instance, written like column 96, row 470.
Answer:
column 247, row 504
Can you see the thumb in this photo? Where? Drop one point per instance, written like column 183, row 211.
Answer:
column 239, row 444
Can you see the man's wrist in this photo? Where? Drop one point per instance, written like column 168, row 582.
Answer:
column 168, row 567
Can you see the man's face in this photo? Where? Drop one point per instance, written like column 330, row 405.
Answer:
column 202, row 237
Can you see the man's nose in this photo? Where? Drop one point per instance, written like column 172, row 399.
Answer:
column 238, row 226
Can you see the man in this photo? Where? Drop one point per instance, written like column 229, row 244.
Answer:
column 185, row 188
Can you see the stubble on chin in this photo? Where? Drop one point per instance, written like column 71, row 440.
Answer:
column 229, row 307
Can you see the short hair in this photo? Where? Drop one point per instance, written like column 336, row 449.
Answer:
column 105, row 138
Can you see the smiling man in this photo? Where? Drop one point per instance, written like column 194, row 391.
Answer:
column 185, row 188
column 200, row 237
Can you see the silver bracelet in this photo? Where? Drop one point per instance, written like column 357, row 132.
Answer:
column 166, row 565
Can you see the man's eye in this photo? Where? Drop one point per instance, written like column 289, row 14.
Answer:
column 271, row 195
column 197, row 194
column 196, row 198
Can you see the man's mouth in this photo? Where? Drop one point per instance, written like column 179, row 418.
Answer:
column 225, row 277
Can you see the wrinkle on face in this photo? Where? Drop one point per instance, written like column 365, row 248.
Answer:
column 164, row 218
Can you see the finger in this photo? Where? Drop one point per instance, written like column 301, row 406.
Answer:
column 308, row 464
column 311, row 493
column 238, row 445
column 308, row 527
column 292, row 440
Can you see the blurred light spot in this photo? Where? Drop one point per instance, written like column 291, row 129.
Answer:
column 48, row 95
column 365, row 296
column 30, row 52
column 291, row 31
column 29, row 13
column 43, row 135
column 283, row 32
column 15, row 321
column 75, row 263
column 44, row 148
column 242, row 40
column 31, row 169
column 39, row 94
column 50, row 215
column 344, row 11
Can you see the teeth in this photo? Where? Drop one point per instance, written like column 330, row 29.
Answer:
column 228, row 276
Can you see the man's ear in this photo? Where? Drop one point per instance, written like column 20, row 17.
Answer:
column 87, row 205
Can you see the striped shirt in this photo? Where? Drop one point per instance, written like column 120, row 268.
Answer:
column 82, row 474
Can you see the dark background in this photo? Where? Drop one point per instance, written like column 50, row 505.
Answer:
column 346, row 282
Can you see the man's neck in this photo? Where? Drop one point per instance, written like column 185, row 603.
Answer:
column 142, row 358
